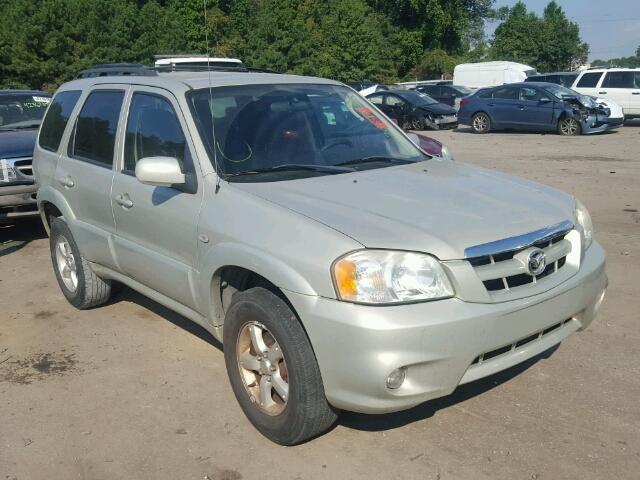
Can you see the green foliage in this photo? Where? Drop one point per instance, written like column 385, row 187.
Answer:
column 626, row 62
column 46, row 42
column 549, row 43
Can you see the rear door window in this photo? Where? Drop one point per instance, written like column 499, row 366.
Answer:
column 153, row 130
column 95, row 131
column 621, row 80
column 506, row 93
column 56, row 119
column 589, row 80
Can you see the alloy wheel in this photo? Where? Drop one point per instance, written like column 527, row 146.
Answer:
column 569, row 126
column 66, row 264
column 480, row 123
column 263, row 368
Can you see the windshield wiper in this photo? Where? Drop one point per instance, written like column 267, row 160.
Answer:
column 377, row 159
column 293, row 167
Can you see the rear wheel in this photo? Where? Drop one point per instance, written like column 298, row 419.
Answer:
column 481, row 123
column 273, row 370
column 569, row 127
column 81, row 287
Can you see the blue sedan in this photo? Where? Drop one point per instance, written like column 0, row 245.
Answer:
column 534, row 106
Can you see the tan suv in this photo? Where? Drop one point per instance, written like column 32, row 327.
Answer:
column 342, row 267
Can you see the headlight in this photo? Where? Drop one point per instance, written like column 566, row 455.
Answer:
column 583, row 219
column 383, row 276
column 445, row 153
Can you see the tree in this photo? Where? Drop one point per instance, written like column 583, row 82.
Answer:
column 548, row 43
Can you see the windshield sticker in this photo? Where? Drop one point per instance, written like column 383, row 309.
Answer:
column 41, row 99
column 34, row 105
column 371, row 117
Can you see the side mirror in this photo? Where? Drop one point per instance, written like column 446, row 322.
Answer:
column 159, row 171
column 545, row 100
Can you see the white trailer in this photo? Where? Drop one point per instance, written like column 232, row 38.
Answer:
column 490, row 74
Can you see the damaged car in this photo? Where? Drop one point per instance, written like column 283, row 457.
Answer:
column 535, row 106
column 414, row 110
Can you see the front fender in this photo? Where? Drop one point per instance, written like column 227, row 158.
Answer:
column 273, row 269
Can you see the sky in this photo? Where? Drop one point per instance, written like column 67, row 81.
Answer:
column 610, row 27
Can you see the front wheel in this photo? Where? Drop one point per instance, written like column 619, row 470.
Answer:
column 569, row 127
column 417, row 124
column 273, row 370
column 481, row 123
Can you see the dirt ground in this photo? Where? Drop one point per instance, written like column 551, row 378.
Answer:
column 134, row 391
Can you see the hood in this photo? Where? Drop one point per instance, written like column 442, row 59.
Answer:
column 17, row 143
column 437, row 206
column 438, row 108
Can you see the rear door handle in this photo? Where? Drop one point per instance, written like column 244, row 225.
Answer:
column 66, row 181
column 635, row 93
column 602, row 93
column 123, row 200
column 491, row 104
column 521, row 107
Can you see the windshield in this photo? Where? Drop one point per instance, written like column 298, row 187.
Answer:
column 275, row 132
column 22, row 111
column 561, row 92
column 418, row 98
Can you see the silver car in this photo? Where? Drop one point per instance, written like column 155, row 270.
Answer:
column 341, row 266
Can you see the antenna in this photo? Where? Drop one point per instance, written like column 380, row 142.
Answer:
column 213, row 128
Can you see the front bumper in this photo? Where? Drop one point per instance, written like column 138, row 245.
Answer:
column 439, row 342
column 18, row 201
column 600, row 123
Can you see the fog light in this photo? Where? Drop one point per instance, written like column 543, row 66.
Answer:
column 396, row 378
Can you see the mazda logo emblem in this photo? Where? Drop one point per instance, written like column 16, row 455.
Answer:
column 536, row 262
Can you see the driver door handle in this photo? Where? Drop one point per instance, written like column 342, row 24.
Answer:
column 521, row 107
column 602, row 93
column 123, row 200
column 66, row 181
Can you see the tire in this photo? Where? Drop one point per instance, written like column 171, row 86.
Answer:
column 569, row 127
column 90, row 290
column 259, row 317
column 417, row 124
column 481, row 123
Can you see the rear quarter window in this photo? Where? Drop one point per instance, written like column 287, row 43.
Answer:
column 589, row 80
column 56, row 119
column 622, row 80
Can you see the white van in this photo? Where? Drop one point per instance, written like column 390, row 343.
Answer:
column 621, row 85
column 490, row 74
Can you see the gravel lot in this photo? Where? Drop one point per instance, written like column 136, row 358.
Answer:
column 132, row 390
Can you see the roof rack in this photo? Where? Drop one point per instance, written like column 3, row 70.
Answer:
column 138, row 69
column 117, row 69
column 602, row 67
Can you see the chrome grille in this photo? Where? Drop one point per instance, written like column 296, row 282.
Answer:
column 505, row 270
